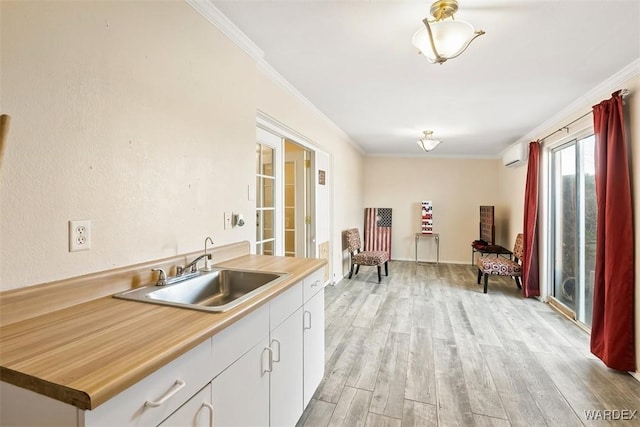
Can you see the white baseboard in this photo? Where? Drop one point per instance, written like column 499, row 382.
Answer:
column 337, row 281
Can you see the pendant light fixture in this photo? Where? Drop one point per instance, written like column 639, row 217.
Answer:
column 444, row 37
column 428, row 142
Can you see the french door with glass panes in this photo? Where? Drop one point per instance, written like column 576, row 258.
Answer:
column 573, row 226
column 265, row 200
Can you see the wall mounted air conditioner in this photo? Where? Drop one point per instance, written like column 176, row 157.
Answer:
column 515, row 155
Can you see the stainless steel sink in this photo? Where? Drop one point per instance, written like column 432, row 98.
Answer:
column 217, row 291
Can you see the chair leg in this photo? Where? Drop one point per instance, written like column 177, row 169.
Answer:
column 479, row 275
column 486, row 282
column 386, row 268
column 357, row 268
column 379, row 275
column 517, row 278
column 351, row 271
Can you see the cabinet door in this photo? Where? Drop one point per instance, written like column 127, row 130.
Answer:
column 313, row 320
column 286, row 377
column 240, row 394
column 197, row 412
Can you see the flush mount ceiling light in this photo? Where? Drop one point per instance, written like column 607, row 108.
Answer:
column 443, row 38
column 428, row 142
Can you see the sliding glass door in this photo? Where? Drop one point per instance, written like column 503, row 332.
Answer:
column 573, row 218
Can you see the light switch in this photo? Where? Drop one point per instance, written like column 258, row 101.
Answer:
column 227, row 220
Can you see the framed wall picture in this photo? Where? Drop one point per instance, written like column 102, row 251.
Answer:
column 426, row 213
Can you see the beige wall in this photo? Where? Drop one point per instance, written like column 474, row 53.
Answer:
column 510, row 208
column 457, row 188
column 146, row 130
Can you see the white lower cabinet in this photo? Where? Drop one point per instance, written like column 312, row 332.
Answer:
column 313, row 349
column 286, row 375
column 197, row 412
column 260, row 371
column 240, row 394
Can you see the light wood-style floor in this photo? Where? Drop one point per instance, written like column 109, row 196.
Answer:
column 427, row 348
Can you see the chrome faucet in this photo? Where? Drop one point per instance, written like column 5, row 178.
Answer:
column 207, row 266
column 208, row 239
column 192, row 267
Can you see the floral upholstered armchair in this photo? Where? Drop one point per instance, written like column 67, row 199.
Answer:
column 502, row 266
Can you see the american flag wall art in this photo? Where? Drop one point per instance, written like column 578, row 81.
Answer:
column 377, row 229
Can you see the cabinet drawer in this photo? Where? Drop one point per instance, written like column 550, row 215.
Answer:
column 198, row 411
column 313, row 283
column 285, row 304
column 154, row 398
column 231, row 343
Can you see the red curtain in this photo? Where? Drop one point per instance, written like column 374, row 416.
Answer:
column 612, row 329
column 531, row 272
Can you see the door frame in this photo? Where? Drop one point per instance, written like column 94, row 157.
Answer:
column 273, row 126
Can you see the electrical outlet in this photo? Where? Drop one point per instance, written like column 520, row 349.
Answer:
column 79, row 235
column 227, row 220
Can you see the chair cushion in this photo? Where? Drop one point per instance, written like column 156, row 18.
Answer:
column 498, row 265
column 371, row 258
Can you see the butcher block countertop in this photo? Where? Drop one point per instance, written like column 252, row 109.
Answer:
column 87, row 353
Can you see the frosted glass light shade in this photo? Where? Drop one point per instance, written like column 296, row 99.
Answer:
column 428, row 144
column 450, row 37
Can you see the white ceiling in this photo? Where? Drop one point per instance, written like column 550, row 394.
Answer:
column 355, row 62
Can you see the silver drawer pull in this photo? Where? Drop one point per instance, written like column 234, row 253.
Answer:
column 278, row 342
column 209, row 406
column 270, row 364
column 316, row 283
column 179, row 385
column 304, row 320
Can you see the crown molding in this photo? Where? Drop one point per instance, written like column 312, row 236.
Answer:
column 278, row 79
column 584, row 103
column 229, row 29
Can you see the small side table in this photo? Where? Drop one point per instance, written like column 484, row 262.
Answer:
column 435, row 236
column 489, row 249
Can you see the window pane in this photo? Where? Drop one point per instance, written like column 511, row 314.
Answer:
column 267, row 161
column 565, row 226
column 267, row 224
column 267, row 248
column 289, row 195
column 289, row 218
column 289, row 173
column 267, row 192
column 289, row 243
